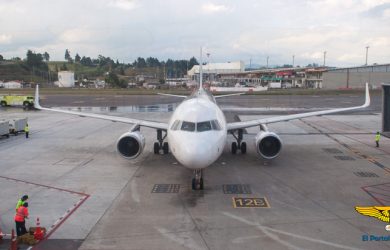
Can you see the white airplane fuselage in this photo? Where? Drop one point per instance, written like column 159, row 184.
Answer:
column 194, row 143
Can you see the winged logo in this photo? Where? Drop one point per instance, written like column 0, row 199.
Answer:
column 381, row 213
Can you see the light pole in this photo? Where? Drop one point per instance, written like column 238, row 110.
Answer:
column 267, row 61
column 324, row 57
column 367, row 53
column 293, row 61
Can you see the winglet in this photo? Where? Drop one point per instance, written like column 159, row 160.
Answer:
column 36, row 99
column 368, row 100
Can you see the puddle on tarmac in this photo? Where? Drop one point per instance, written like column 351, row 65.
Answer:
column 126, row 109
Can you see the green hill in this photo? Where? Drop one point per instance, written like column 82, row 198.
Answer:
column 19, row 71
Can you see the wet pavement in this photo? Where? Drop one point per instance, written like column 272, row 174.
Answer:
column 89, row 197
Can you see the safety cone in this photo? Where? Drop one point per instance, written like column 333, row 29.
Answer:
column 14, row 242
column 38, row 234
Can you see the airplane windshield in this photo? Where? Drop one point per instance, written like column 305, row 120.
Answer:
column 215, row 125
column 203, row 126
column 175, row 125
column 198, row 127
column 188, row 126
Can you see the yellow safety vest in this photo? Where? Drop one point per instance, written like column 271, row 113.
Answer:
column 19, row 204
column 26, row 129
column 377, row 137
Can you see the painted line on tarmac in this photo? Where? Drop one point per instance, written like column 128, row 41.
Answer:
column 371, row 159
column 267, row 231
column 68, row 212
column 351, row 149
column 378, row 192
column 42, row 185
column 65, row 216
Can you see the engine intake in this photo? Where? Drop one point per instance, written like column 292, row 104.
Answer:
column 268, row 144
column 131, row 144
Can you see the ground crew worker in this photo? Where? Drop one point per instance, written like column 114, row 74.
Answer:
column 20, row 219
column 21, row 201
column 26, row 130
column 377, row 137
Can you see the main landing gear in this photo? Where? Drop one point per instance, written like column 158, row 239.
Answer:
column 161, row 144
column 239, row 144
column 197, row 180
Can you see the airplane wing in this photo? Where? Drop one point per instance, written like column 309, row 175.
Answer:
column 180, row 96
column 219, row 96
column 252, row 123
column 144, row 123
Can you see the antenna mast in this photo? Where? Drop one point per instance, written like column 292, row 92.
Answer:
column 200, row 70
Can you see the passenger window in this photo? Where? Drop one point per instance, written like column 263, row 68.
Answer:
column 203, row 126
column 215, row 125
column 188, row 126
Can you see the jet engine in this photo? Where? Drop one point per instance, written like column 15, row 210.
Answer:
column 268, row 144
column 131, row 144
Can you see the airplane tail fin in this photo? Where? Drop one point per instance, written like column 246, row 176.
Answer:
column 36, row 99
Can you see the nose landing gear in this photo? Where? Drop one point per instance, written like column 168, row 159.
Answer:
column 161, row 144
column 197, row 180
column 239, row 145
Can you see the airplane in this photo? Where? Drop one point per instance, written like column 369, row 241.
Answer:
column 197, row 131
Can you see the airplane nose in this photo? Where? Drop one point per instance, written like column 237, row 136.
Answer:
column 197, row 156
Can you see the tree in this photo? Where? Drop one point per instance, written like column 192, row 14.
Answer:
column 86, row 61
column 46, row 56
column 114, row 80
column 141, row 63
column 77, row 58
column 192, row 62
column 1, row 58
column 67, row 56
column 35, row 60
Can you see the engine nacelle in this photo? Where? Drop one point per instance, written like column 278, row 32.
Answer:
column 268, row 144
column 131, row 144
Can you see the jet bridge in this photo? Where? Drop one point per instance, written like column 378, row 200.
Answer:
column 386, row 110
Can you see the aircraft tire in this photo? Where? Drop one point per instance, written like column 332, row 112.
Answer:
column 243, row 148
column 165, row 148
column 234, row 148
column 156, row 148
column 193, row 184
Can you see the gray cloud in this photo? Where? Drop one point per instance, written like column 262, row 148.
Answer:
column 229, row 30
column 377, row 11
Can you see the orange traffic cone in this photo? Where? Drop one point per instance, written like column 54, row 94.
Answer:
column 38, row 234
column 14, row 242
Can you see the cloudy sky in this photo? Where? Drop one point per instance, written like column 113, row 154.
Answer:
column 228, row 30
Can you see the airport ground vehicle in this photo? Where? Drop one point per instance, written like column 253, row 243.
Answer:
column 4, row 128
column 9, row 100
column 17, row 125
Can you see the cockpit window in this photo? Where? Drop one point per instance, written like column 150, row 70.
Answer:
column 215, row 125
column 175, row 125
column 188, row 126
column 203, row 126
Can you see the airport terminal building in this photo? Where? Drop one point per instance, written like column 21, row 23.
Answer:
column 232, row 74
column 356, row 77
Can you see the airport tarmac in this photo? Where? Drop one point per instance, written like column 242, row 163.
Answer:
column 90, row 198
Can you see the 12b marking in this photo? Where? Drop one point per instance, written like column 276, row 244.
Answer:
column 249, row 202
